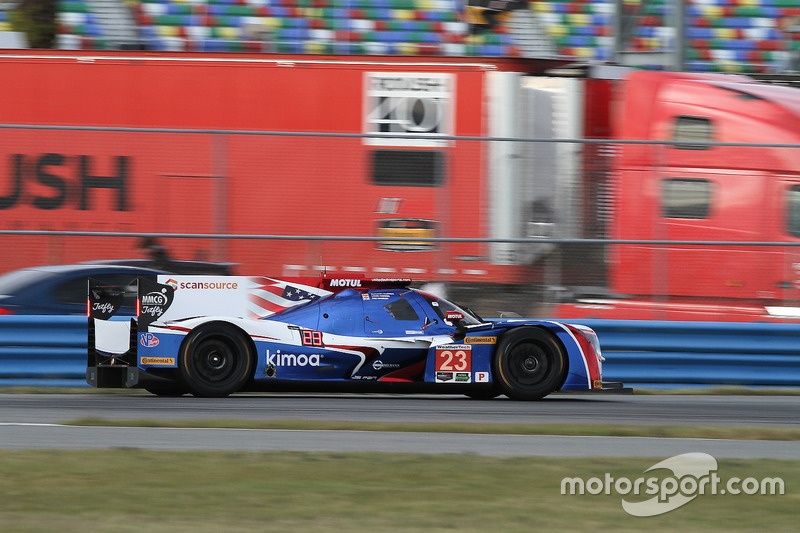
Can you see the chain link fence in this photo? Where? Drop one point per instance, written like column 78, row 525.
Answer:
column 508, row 225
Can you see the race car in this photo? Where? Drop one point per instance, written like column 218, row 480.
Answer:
column 213, row 336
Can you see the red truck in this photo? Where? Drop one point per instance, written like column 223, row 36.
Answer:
column 687, row 190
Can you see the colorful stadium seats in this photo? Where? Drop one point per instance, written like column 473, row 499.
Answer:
column 721, row 35
column 407, row 27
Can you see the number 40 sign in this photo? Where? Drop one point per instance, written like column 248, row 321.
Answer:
column 456, row 358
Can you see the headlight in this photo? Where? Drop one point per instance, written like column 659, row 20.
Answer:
column 590, row 335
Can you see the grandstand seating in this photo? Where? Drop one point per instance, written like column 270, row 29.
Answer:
column 79, row 27
column 722, row 35
column 404, row 27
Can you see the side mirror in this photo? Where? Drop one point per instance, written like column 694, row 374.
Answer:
column 457, row 318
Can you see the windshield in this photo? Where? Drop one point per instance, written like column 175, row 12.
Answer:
column 442, row 306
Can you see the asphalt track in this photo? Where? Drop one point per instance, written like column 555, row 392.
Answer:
column 35, row 421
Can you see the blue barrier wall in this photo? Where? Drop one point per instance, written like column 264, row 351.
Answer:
column 699, row 353
column 43, row 350
column 51, row 350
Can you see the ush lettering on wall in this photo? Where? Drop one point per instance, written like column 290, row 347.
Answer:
column 57, row 181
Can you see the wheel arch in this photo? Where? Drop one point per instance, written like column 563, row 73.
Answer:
column 555, row 334
column 227, row 329
column 231, row 327
column 547, row 340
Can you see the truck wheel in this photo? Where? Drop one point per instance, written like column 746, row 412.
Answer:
column 215, row 360
column 529, row 364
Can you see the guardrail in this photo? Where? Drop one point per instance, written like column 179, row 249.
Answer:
column 43, row 350
column 640, row 352
column 51, row 351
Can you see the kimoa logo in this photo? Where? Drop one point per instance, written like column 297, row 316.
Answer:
column 345, row 283
column 290, row 359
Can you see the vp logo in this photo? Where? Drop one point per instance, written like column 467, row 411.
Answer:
column 148, row 340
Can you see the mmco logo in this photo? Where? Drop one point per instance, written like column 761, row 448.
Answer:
column 154, row 298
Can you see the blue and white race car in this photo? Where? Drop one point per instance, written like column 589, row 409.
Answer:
column 213, row 336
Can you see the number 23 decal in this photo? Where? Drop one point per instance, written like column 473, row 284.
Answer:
column 454, row 359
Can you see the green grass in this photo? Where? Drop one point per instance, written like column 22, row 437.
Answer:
column 129, row 490
column 606, row 430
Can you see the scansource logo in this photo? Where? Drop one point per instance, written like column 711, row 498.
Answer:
column 693, row 474
column 208, row 285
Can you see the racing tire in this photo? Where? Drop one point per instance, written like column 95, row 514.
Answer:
column 529, row 364
column 215, row 360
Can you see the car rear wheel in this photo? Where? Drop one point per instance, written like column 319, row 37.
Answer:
column 529, row 364
column 215, row 360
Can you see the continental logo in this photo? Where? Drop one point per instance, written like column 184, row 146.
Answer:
column 480, row 340
column 157, row 361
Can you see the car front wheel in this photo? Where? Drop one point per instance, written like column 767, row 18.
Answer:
column 529, row 364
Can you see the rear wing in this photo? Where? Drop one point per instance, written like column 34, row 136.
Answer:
column 112, row 335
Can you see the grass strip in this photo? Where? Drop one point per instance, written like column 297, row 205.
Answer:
column 593, row 430
column 131, row 490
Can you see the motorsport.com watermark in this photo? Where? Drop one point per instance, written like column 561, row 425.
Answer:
column 693, row 474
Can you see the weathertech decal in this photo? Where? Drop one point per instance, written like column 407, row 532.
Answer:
column 454, row 358
column 454, row 364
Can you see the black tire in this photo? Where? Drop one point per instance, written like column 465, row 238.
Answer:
column 215, row 360
column 529, row 364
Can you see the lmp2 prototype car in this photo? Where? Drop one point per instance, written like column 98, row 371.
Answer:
column 213, row 336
